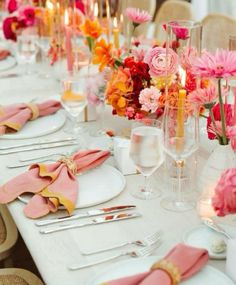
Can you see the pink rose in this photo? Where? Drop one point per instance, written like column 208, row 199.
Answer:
column 224, row 200
column 158, row 62
column 27, row 14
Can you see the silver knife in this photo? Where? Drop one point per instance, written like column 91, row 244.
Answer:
column 90, row 213
column 39, row 147
column 97, row 221
column 39, row 142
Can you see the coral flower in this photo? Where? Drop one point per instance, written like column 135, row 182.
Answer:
column 137, row 16
column 222, row 64
column 91, row 28
column 204, row 96
column 102, row 54
column 224, row 200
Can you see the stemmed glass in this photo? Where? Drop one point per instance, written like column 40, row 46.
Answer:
column 181, row 139
column 147, row 153
column 27, row 50
column 44, row 45
column 74, row 100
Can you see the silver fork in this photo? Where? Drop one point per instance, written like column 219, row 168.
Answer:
column 146, row 241
column 144, row 251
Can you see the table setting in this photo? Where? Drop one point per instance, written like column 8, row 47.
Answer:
column 104, row 168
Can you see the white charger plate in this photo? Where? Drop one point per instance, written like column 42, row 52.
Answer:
column 202, row 236
column 207, row 276
column 39, row 127
column 96, row 186
column 7, row 63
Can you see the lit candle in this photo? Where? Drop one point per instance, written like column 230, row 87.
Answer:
column 95, row 12
column 108, row 19
column 116, row 34
column 50, row 12
column 69, row 53
column 180, row 113
column 182, row 75
column 121, row 22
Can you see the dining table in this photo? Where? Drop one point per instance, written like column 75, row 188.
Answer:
column 54, row 253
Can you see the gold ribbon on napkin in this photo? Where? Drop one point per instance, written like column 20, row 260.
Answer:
column 170, row 268
column 71, row 165
column 34, row 109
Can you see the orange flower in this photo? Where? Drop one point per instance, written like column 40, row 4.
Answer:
column 91, row 28
column 118, row 89
column 102, row 54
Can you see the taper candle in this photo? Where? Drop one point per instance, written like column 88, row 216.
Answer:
column 116, row 34
column 69, row 52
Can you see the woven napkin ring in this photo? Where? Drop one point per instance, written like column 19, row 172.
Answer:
column 171, row 269
column 34, row 109
column 71, row 165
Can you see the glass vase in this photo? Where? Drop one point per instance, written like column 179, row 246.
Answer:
column 220, row 159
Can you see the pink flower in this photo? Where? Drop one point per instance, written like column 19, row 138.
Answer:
column 180, row 32
column 139, row 116
column 188, row 56
column 9, row 28
column 217, row 130
column 204, row 96
column 12, row 5
column 148, row 98
column 224, row 200
column 27, row 14
column 80, row 5
column 222, row 64
column 129, row 112
column 158, row 62
column 138, row 54
column 137, row 16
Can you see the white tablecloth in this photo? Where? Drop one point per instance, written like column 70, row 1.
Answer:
column 54, row 252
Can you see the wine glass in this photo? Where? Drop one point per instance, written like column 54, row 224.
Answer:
column 27, row 50
column 147, row 153
column 74, row 100
column 44, row 45
column 181, row 139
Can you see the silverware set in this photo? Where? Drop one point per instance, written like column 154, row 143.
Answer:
column 153, row 242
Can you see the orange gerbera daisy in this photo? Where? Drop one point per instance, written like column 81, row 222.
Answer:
column 91, row 28
column 102, row 54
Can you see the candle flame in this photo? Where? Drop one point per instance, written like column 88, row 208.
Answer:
column 182, row 74
column 115, row 23
column 121, row 18
column 96, row 10
column 58, row 5
column 66, row 18
column 49, row 5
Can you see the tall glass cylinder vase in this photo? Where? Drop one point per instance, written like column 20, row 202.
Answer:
column 183, row 45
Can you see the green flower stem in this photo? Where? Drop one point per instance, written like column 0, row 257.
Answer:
column 135, row 25
column 222, row 114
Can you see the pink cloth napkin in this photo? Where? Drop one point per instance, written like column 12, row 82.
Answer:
column 189, row 260
column 4, row 54
column 53, row 184
column 14, row 117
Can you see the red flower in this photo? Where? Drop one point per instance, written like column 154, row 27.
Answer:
column 80, row 5
column 27, row 15
column 9, row 28
column 216, row 113
column 12, row 5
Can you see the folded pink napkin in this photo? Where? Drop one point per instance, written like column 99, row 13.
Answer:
column 14, row 117
column 4, row 54
column 53, row 184
column 180, row 263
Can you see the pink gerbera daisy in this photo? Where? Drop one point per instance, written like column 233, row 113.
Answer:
column 222, row 64
column 137, row 16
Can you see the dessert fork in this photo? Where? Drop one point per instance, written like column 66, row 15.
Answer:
column 146, row 241
column 142, row 252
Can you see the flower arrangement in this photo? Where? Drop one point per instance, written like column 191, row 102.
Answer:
column 218, row 66
column 20, row 17
column 224, row 199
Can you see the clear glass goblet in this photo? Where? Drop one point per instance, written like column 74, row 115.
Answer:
column 74, row 101
column 147, row 153
column 181, row 139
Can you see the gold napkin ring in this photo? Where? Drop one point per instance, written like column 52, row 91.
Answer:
column 171, row 269
column 34, row 109
column 71, row 165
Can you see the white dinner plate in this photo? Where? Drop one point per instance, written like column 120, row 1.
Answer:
column 202, row 236
column 7, row 63
column 207, row 276
column 39, row 127
column 96, row 186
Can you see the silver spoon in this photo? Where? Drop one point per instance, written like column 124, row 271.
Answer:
column 214, row 226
